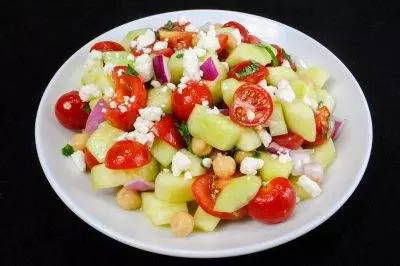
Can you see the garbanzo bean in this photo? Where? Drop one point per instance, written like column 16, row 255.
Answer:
column 200, row 147
column 224, row 166
column 128, row 199
column 182, row 223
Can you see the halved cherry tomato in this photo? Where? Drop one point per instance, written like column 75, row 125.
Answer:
column 127, row 154
column 175, row 26
column 183, row 103
column 253, row 39
column 243, row 31
column 250, row 98
column 222, row 52
column 181, row 40
column 203, row 193
column 137, row 52
column 279, row 54
column 290, row 140
column 166, row 130
column 274, row 203
column 70, row 111
column 257, row 72
column 167, row 52
column 115, row 76
column 106, row 46
column 321, row 125
column 90, row 160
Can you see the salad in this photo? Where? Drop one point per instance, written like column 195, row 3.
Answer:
column 196, row 126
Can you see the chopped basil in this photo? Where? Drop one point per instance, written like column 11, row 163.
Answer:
column 184, row 131
column 67, row 150
column 131, row 71
column 87, row 107
column 288, row 57
column 248, row 70
column 257, row 154
column 274, row 59
column 169, row 26
column 179, row 55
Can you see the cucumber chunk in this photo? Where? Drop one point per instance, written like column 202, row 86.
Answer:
column 305, row 93
column 324, row 154
column 160, row 97
column 273, row 167
column 159, row 212
column 118, row 58
column 215, row 129
column 205, row 221
column 237, row 193
column 163, row 152
column 247, row 51
column 315, row 76
column 175, row 65
column 325, row 99
column 98, row 77
column 102, row 139
column 248, row 140
column 228, row 88
column 173, row 189
column 301, row 193
column 215, row 85
column 280, row 72
column 299, row 118
column 130, row 36
column 196, row 167
column 276, row 122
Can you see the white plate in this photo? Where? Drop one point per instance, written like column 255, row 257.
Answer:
column 100, row 210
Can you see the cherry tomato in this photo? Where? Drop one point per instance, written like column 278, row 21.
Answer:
column 106, row 46
column 279, row 54
column 290, row 140
column 137, row 52
column 243, row 31
column 70, row 111
column 205, row 197
column 321, row 125
column 274, row 203
column 181, row 40
column 166, row 130
column 90, row 160
column 253, row 39
column 183, row 103
column 127, row 154
column 167, row 52
column 258, row 72
column 254, row 100
column 175, row 26
column 222, row 52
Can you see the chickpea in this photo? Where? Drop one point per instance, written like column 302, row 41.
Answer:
column 200, row 147
column 78, row 141
column 182, row 223
column 240, row 155
column 224, row 166
column 128, row 199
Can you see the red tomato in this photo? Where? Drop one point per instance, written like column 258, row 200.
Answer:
column 243, row 31
column 253, row 39
column 70, row 111
column 107, row 46
column 137, row 52
column 203, row 193
column 183, row 103
column 167, row 52
column 223, row 46
column 250, row 98
column 290, row 140
column 254, row 77
column 90, row 160
column 175, row 26
column 274, row 203
column 180, row 41
column 321, row 125
column 279, row 54
column 127, row 154
column 166, row 130
column 115, row 71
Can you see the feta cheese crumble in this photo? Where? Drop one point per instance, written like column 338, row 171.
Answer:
column 204, row 103
column 113, row 104
column 200, row 52
column 250, row 165
column 159, row 45
column 78, row 158
column 142, row 126
column 213, row 111
column 238, row 37
column 285, row 91
column 67, row 105
column 309, row 185
column 144, row 66
column 108, row 92
column 171, row 86
column 310, row 102
column 180, row 163
column 265, row 137
column 155, row 83
column 187, row 175
column 108, row 68
column 208, row 41
column 130, row 57
column 191, row 28
column 250, row 115
column 182, row 20
column 284, row 158
column 145, row 39
column 122, row 108
column 88, row 92
column 206, row 162
column 191, row 68
column 151, row 113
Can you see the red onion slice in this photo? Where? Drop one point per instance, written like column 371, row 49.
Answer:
column 314, row 171
column 161, row 69
column 96, row 116
column 277, row 149
column 299, row 158
column 210, row 72
column 337, row 127
column 140, row 185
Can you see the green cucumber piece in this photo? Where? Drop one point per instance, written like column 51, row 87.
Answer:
column 228, row 88
column 175, row 65
column 248, row 140
column 301, row 193
column 163, row 152
column 273, row 167
column 247, row 51
column 196, row 167
column 299, row 118
column 102, row 139
column 160, row 97
column 303, row 91
column 118, row 58
column 272, row 52
column 205, row 221
column 324, row 154
column 215, row 85
column 237, row 193
column 276, row 122
column 130, row 36
column 315, row 76
column 280, row 72
column 215, row 129
column 159, row 212
column 325, row 99
column 173, row 189
column 98, row 77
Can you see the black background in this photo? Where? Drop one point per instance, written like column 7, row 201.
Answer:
column 36, row 228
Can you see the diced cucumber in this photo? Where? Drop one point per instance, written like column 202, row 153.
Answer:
column 118, row 58
column 228, row 88
column 215, row 85
column 324, row 154
column 248, row 140
column 315, row 76
column 160, row 97
column 163, row 152
column 158, row 211
column 148, row 171
column 273, row 167
column 98, row 77
column 102, row 139
column 280, row 72
column 175, row 65
column 237, row 193
column 130, row 36
column 299, row 118
column 276, row 122
column 300, row 191
column 304, row 92
column 232, row 43
column 326, row 99
column 196, row 167
column 215, row 129
column 173, row 189
column 247, row 51
column 205, row 221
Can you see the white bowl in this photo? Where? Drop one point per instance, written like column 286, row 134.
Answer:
column 99, row 208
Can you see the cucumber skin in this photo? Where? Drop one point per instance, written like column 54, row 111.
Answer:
column 299, row 119
column 275, row 74
column 276, row 122
column 173, row 189
column 97, row 76
column 325, row 153
column 205, row 221
column 160, row 97
column 163, row 152
column 247, row 51
column 130, row 36
column 175, row 66
column 118, row 58
column 273, row 167
column 248, row 140
column 228, row 88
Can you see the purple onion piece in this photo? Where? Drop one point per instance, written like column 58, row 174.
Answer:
column 161, row 69
column 210, row 72
column 96, row 116
column 140, row 185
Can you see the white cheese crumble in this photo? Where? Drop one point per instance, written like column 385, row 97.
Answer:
column 133, row 44
column 209, row 40
column 78, row 158
column 213, row 111
column 142, row 126
column 284, row 158
column 108, row 92
column 200, row 52
column 155, row 83
column 67, row 105
column 122, row 108
column 206, row 162
column 159, row 45
column 285, row 63
column 182, row 20
column 146, row 50
column 130, row 57
column 151, row 113
column 180, row 163
column 171, row 86
column 132, row 99
column 285, row 91
column 181, row 87
column 120, row 72
column 108, row 68
column 191, row 68
column 145, row 39
column 187, row 175
column 310, row 102
column 191, row 28
column 144, row 66
column 309, row 185
column 143, row 138
column 113, row 104
column 236, row 34
column 88, row 92
column 250, row 165
column 250, row 115
column 265, row 137
column 205, row 103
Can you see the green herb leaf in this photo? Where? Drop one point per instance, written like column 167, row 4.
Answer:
column 287, row 57
column 257, row 154
column 131, row 71
column 248, row 70
column 179, row 55
column 67, row 150
column 169, row 26
column 274, row 59
column 87, row 107
column 184, row 131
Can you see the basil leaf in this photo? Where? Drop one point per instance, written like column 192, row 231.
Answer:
column 179, row 55
column 248, row 70
column 87, row 107
column 257, row 154
column 169, row 26
column 184, row 131
column 274, row 59
column 67, row 150
column 131, row 71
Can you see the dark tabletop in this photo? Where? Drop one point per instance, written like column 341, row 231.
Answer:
column 36, row 228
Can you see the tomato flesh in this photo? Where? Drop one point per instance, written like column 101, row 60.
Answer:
column 321, row 125
column 166, row 130
column 127, row 154
column 70, row 111
column 167, row 52
column 236, row 25
column 222, row 52
column 183, row 103
column 107, row 46
column 90, row 160
column 290, row 140
column 251, row 99
column 274, row 203
column 254, row 77
column 279, row 54
column 180, row 40
column 253, row 39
